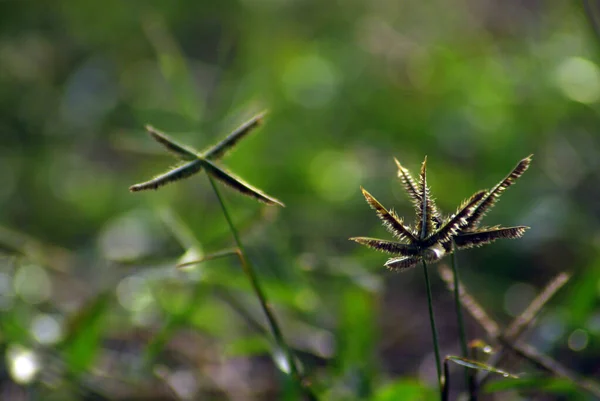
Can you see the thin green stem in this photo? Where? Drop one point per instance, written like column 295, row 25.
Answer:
column 266, row 307
column 436, row 346
column 469, row 377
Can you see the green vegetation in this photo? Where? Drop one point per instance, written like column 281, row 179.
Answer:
column 194, row 292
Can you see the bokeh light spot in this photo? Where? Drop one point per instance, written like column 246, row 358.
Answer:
column 23, row 364
column 517, row 297
column 578, row 340
column 310, row 81
column 281, row 361
column 46, row 329
column 125, row 238
column 32, row 284
column 335, row 175
column 579, row 79
column 134, row 294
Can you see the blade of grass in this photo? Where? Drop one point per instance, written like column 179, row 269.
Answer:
column 255, row 283
column 83, row 339
column 212, row 256
column 436, row 346
column 219, row 150
column 177, row 149
column 238, row 184
column 176, row 174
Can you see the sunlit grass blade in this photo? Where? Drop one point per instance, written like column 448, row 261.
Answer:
column 471, row 364
column 491, row 199
column 457, row 221
column 387, row 246
column 522, row 322
column 391, row 222
column 238, row 184
column 181, row 151
column 484, row 236
column 176, row 174
column 212, row 256
column 232, row 139
column 479, row 366
column 401, row 263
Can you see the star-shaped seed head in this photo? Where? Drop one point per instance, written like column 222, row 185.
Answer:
column 434, row 236
column 193, row 162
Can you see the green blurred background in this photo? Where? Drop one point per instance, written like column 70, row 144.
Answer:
column 91, row 304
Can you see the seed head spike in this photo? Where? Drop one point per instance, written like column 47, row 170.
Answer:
column 491, row 199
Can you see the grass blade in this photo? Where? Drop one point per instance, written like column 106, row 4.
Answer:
column 392, row 247
column 479, row 366
column 466, row 240
column 82, row 341
column 232, row 139
column 176, row 174
column 392, row 223
column 238, row 184
column 177, row 149
column 495, row 193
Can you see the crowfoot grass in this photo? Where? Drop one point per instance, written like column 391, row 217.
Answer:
column 194, row 162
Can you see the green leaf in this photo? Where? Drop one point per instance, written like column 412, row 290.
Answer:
column 248, row 346
column 547, row 384
column 85, row 330
column 405, row 390
column 356, row 339
column 13, row 325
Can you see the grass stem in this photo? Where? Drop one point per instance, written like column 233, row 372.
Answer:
column 436, row 346
column 266, row 307
column 462, row 333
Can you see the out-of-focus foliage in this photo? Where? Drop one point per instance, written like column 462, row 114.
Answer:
column 91, row 305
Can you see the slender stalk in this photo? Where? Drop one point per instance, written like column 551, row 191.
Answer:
column 436, row 346
column 266, row 307
column 462, row 333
